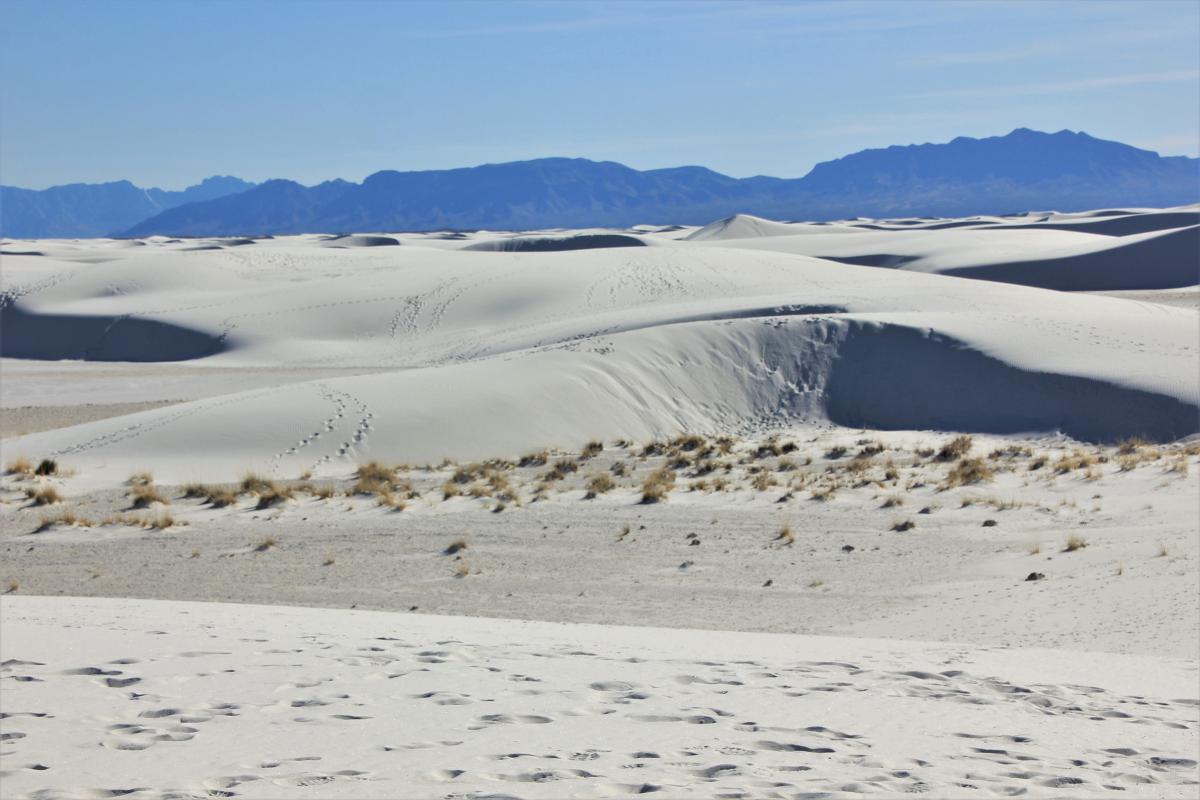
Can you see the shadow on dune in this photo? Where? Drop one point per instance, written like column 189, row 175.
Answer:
column 1167, row 261
column 53, row 337
column 895, row 378
column 548, row 244
column 1115, row 225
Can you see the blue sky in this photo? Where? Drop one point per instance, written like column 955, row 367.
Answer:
column 164, row 93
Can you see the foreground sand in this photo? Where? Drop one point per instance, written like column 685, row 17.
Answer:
column 167, row 699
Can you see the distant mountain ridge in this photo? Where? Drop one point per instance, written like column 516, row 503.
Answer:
column 97, row 209
column 1023, row 170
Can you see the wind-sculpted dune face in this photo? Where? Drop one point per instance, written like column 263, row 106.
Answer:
column 478, row 354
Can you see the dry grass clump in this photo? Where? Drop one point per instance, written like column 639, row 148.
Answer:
column 1074, row 461
column 43, row 496
column 274, row 495
column 785, row 537
column 220, row 497
column 266, row 544
column 375, row 472
column 1012, row 451
column 762, row 481
column 658, row 485
column 254, row 483
column 534, row 459
column 1131, row 445
column 903, row 525
column 141, row 479
column 145, row 494
column 455, row 546
column 1128, row 463
column 1074, row 542
column 1179, row 466
column 19, row 466
column 893, row 500
column 192, row 490
column 1033, row 548
column 45, row 467
column 969, row 471
column 956, row 448
column 1037, row 463
column 450, row 489
column 561, row 469
column 689, row 442
column 836, row 452
column 598, row 485
column 158, row 522
column 321, row 492
column 591, row 449
column 372, row 485
column 388, row 499
column 824, row 494
column 65, row 516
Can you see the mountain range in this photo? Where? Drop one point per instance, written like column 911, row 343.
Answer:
column 1021, row 171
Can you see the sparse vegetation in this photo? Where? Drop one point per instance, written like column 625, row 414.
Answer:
column 969, row 471
column 456, row 546
column 375, row 472
column 274, row 495
column 64, row 517
column 892, row 501
column 598, row 485
column 592, row 449
column 141, row 479
column 46, row 467
column 144, row 493
column 903, row 525
column 785, row 537
column 1074, row 542
column 955, row 449
column 43, row 496
column 266, row 544
column 19, row 466
column 658, row 485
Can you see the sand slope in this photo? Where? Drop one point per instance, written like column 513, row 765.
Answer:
column 492, row 352
column 162, row 699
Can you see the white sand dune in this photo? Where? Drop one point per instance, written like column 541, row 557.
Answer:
column 155, row 699
column 491, row 352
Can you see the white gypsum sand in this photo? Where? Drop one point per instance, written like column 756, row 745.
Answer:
column 750, row 426
column 258, row 701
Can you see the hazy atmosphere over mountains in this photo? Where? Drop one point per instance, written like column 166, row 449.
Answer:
column 1024, row 170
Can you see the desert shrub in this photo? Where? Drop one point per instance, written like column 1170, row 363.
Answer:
column 219, row 497
column 370, row 486
column 561, row 469
column 956, row 448
column 689, row 442
column 658, row 485
column 19, row 466
column 1074, row 542
column 1131, row 445
column 191, row 490
column 274, row 495
column 375, row 472
column 891, row 501
column 592, row 449
column 762, row 481
column 450, row 489
column 47, row 466
column 43, row 496
column 65, row 516
column 836, row 452
column 598, row 485
column 141, row 479
column 145, row 495
column 903, row 525
column 969, row 471
column 535, row 459
column 456, row 546
column 785, row 536
column 254, row 483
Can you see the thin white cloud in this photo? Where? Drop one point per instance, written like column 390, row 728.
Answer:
column 1062, row 87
